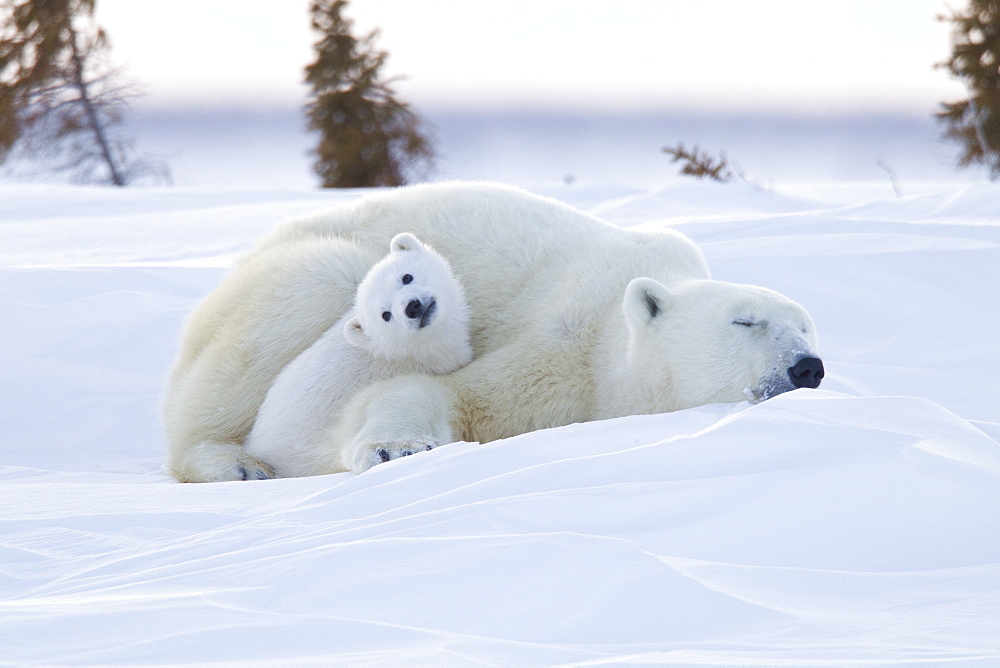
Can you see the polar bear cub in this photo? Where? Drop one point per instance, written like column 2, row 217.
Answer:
column 409, row 316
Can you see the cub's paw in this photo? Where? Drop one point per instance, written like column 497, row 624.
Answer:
column 362, row 457
column 386, row 452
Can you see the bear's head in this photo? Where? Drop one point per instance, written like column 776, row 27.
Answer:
column 411, row 307
column 704, row 341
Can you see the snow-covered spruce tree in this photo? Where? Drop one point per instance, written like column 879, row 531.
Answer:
column 975, row 59
column 367, row 137
column 61, row 102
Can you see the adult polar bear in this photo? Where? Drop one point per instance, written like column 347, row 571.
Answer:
column 545, row 284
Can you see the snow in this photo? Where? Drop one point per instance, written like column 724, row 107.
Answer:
column 854, row 524
column 269, row 147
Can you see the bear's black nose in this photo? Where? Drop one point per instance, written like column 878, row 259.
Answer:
column 807, row 372
column 414, row 309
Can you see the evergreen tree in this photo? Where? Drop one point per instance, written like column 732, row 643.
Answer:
column 975, row 58
column 367, row 137
column 702, row 165
column 60, row 100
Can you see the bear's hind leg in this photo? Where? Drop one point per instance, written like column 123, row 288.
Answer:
column 211, row 461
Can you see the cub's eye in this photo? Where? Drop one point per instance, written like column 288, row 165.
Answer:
column 407, row 279
column 387, row 315
column 744, row 323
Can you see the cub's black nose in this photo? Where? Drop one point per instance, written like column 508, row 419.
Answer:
column 807, row 372
column 414, row 309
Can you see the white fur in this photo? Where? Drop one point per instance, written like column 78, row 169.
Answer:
column 375, row 340
column 716, row 342
column 558, row 334
column 697, row 343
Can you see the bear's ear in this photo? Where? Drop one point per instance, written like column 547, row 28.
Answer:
column 645, row 300
column 354, row 332
column 404, row 241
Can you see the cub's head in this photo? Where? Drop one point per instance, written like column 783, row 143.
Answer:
column 411, row 307
column 705, row 342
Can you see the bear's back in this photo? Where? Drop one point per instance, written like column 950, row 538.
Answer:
column 518, row 255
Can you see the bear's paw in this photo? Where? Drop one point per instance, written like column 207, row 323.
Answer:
column 385, row 452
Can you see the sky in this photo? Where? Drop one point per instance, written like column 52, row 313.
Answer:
column 848, row 54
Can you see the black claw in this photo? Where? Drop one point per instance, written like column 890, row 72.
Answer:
column 261, row 474
column 429, row 447
column 241, row 472
column 383, row 454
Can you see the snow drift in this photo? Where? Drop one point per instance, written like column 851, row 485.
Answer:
column 856, row 523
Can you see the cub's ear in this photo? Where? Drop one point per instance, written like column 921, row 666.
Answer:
column 645, row 300
column 354, row 332
column 404, row 241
